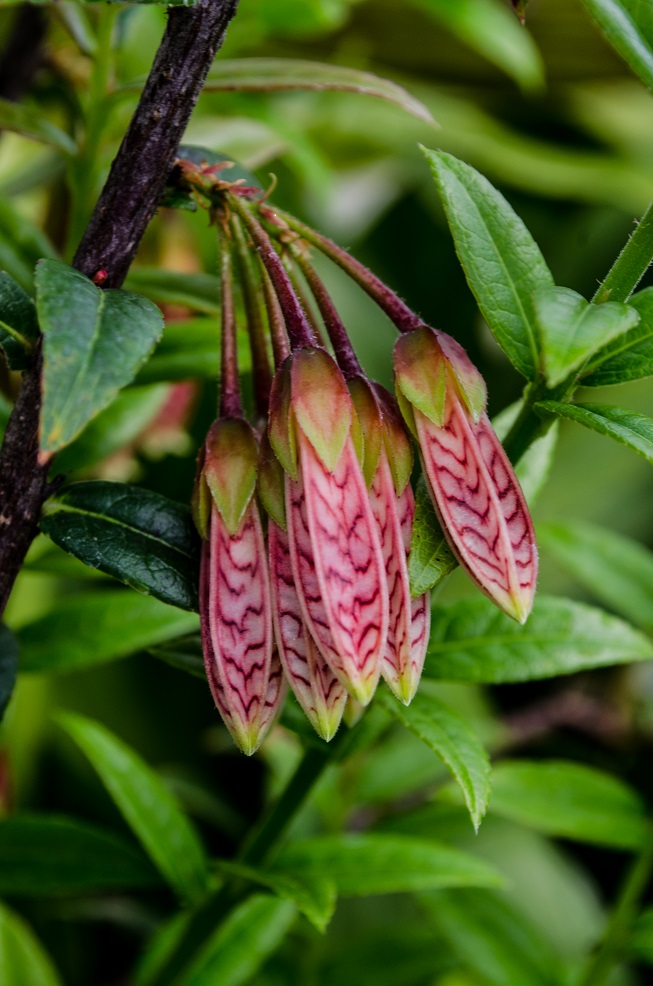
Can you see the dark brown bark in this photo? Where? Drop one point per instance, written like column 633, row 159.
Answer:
column 127, row 203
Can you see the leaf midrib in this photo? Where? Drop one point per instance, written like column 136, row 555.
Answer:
column 62, row 507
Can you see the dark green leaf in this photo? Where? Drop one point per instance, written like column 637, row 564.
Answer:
column 453, row 740
column 641, row 939
column 22, row 957
column 492, row 938
column 617, row 570
column 571, row 801
column 18, row 323
column 185, row 654
column 571, row 329
column 629, row 357
column 362, row 865
column 627, row 427
column 200, row 292
column 240, row 946
column 430, row 558
column 313, row 896
column 472, row 641
column 628, row 25
column 277, row 74
column 30, row 123
column 96, row 627
column 140, row 537
column 8, row 666
column 147, row 805
column 118, row 425
column 95, row 342
column 42, row 855
column 502, row 262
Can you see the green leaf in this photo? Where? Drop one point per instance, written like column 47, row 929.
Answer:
column 139, row 537
column 8, row 666
column 430, row 558
column 184, row 653
column 502, row 262
column 18, row 324
column 95, row 343
column 200, row 292
column 242, row 943
column 278, row 74
column 95, row 627
column 490, row 28
column 571, row 329
column 313, row 896
column 22, row 957
column 628, row 26
column 45, row 855
column 627, row 427
column 641, row 939
column 30, row 123
column 630, row 356
column 117, row 426
column 492, row 939
column 363, row 865
column 472, row 641
column 615, row 569
column 453, row 740
column 571, row 801
column 147, row 805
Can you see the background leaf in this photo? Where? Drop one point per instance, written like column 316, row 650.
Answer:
column 630, row 356
column 199, row 292
column 430, row 558
column 139, row 537
column 627, row 427
column 313, row 896
column 8, row 666
column 44, row 855
column 472, row 641
column 628, row 25
column 382, row 864
column 96, row 627
column 502, row 262
column 31, row 123
column 569, row 800
column 453, row 740
column 18, row 323
column 95, row 342
column 146, row 804
column 22, row 957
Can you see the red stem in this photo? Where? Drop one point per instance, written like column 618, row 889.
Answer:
column 230, row 406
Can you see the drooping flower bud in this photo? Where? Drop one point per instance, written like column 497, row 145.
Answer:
column 334, row 544
column 235, row 601
column 474, row 489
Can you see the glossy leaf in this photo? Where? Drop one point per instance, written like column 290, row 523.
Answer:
column 29, row 122
column 472, row 641
column 22, row 957
column 628, row 25
column 502, row 262
column 45, row 855
column 94, row 344
column 18, row 323
column 139, row 537
column 617, row 570
column 571, row 329
column 626, row 427
column 630, row 356
column 313, row 896
column 245, row 940
column 8, row 666
column 278, row 74
column 430, row 558
column 148, row 807
column 362, row 865
column 453, row 740
column 199, row 292
column 95, row 627
column 492, row 938
column 569, row 800
column 490, row 29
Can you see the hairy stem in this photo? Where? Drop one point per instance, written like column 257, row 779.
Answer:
column 631, row 264
column 230, row 406
column 255, row 325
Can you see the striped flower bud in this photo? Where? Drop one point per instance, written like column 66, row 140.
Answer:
column 473, row 486
column 235, row 603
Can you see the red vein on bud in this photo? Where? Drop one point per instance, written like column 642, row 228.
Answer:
column 261, row 372
column 230, row 405
column 342, row 347
column 299, row 329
